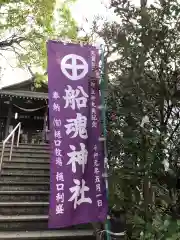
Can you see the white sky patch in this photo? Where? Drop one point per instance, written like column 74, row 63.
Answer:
column 82, row 10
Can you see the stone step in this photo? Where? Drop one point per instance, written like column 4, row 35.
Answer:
column 31, row 222
column 24, row 196
column 24, row 208
column 25, row 177
column 29, row 165
column 27, row 150
column 48, row 234
column 19, row 224
column 24, row 186
column 19, row 159
column 18, row 170
column 28, row 145
column 28, row 155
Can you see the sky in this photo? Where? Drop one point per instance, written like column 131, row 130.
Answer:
column 81, row 10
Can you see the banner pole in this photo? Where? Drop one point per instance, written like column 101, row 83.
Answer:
column 103, row 116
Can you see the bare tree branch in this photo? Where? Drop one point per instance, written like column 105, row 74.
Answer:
column 174, row 131
column 11, row 41
column 6, row 60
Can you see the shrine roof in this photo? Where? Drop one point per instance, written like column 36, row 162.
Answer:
column 27, row 85
column 19, row 85
column 24, row 94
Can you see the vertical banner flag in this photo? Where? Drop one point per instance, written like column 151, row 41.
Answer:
column 78, row 191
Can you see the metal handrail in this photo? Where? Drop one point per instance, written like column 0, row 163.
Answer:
column 12, row 134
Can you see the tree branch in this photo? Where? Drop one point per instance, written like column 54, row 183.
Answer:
column 30, row 71
column 169, row 111
column 175, row 129
column 11, row 41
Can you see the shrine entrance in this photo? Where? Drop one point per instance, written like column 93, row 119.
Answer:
column 33, row 123
column 2, row 127
column 28, row 105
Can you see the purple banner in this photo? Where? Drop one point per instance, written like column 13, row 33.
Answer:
column 78, row 192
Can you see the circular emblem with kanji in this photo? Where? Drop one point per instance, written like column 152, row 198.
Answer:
column 74, row 67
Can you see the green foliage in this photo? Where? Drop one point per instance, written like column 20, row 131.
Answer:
column 143, row 81
column 26, row 25
column 161, row 228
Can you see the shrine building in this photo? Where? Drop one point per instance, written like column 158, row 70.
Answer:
column 25, row 103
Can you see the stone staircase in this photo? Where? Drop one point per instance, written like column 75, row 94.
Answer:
column 24, row 197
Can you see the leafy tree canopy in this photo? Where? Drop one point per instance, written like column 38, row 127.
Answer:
column 143, row 69
column 25, row 26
